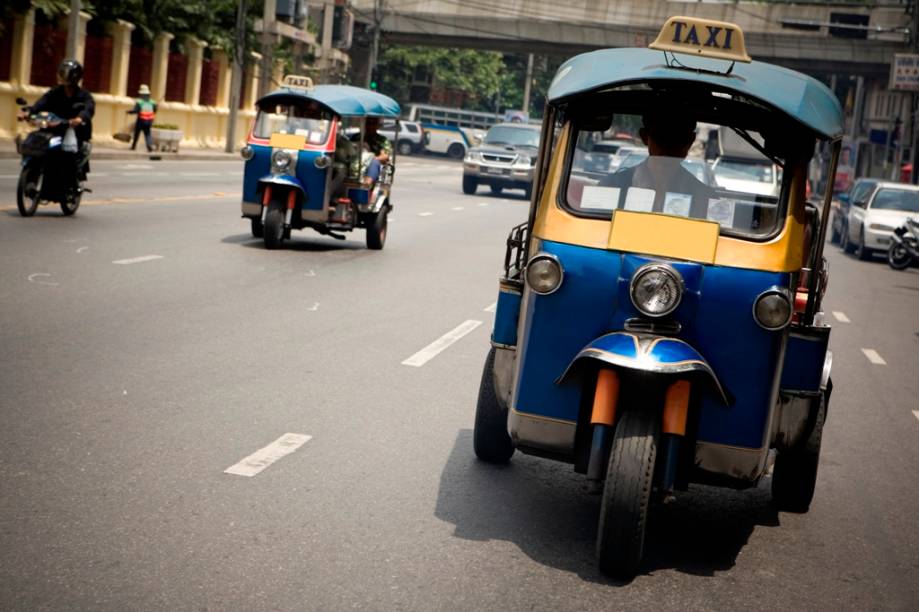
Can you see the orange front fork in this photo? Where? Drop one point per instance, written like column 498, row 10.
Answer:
column 602, row 419
column 673, row 430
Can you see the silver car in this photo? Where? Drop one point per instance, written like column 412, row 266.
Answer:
column 875, row 214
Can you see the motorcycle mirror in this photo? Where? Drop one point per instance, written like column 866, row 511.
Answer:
column 21, row 101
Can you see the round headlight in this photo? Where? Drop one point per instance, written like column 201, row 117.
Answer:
column 656, row 290
column 280, row 159
column 247, row 152
column 772, row 309
column 322, row 161
column 544, row 274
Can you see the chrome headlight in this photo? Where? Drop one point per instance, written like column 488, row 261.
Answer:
column 474, row 156
column 544, row 273
column 772, row 309
column 280, row 160
column 656, row 289
column 247, row 152
column 523, row 160
column 322, row 161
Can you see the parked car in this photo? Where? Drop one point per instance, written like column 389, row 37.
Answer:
column 600, row 157
column 757, row 176
column 504, row 160
column 839, row 207
column 875, row 213
column 411, row 137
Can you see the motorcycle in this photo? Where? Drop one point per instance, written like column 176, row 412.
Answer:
column 51, row 150
column 904, row 245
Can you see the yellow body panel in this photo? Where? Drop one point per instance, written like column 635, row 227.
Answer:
column 287, row 141
column 783, row 253
column 674, row 237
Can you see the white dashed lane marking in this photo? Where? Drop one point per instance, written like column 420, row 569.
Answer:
column 493, row 307
column 134, row 260
column 262, row 458
column 841, row 316
column 483, row 204
column 425, row 214
column 457, row 208
column 36, row 278
column 916, row 413
column 432, row 350
column 874, row 357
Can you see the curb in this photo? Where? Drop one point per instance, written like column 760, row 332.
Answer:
column 132, row 155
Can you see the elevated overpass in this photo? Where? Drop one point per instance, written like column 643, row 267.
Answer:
column 568, row 27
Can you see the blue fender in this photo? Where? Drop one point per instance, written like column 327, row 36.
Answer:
column 284, row 180
column 645, row 353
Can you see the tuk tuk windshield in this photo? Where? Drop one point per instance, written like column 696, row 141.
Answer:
column 307, row 120
column 688, row 169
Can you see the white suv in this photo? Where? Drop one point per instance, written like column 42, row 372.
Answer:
column 410, row 139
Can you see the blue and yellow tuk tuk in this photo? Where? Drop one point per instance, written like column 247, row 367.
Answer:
column 659, row 326
column 310, row 162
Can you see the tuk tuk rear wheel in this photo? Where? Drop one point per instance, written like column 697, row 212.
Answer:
column 794, row 475
column 274, row 227
column 627, row 493
column 258, row 230
column 376, row 230
column 490, row 439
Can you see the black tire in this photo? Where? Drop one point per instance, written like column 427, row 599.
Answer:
column 844, row 243
column 862, row 252
column 627, row 493
column 405, row 147
column 490, row 439
column 71, row 201
column 258, row 230
column 794, row 474
column 274, row 226
column 496, row 189
column 376, row 230
column 456, row 151
column 27, row 205
column 898, row 257
column 470, row 184
column 835, row 235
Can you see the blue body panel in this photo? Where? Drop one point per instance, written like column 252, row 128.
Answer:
column 803, row 370
column 253, row 170
column 717, row 322
column 309, row 179
column 312, row 178
column 343, row 100
column 801, row 98
column 507, row 314
column 359, row 196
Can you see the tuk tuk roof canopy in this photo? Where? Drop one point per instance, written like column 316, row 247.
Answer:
column 343, row 100
column 800, row 97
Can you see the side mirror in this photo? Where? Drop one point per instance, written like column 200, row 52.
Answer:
column 21, row 101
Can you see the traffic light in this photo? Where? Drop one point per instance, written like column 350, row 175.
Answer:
column 374, row 78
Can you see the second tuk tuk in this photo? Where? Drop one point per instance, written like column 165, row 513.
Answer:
column 653, row 328
column 314, row 160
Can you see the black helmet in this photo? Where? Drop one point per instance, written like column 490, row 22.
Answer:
column 70, row 71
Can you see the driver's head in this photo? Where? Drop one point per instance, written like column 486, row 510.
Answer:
column 373, row 123
column 69, row 72
column 668, row 134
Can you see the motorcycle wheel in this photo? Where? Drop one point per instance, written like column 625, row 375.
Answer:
column 627, row 493
column 27, row 203
column 71, row 201
column 898, row 257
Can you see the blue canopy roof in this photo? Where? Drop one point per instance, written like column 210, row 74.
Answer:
column 343, row 100
column 801, row 97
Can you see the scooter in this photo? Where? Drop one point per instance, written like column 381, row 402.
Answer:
column 52, row 150
column 904, row 245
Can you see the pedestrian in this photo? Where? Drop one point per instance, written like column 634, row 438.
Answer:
column 145, row 109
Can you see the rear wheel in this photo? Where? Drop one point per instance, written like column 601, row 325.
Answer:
column 898, row 257
column 27, row 191
column 627, row 493
column 376, row 230
column 456, row 151
column 490, row 438
column 274, row 226
column 258, row 230
column 405, row 147
column 71, row 201
column 794, row 475
column 470, row 184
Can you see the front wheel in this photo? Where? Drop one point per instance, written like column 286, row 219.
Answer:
column 490, row 438
column 898, row 257
column 470, row 184
column 405, row 147
column 376, row 230
column 456, row 151
column 27, row 191
column 71, row 201
column 274, row 227
column 627, row 493
column 794, row 475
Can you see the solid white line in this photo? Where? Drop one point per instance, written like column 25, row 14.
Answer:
column 135, row 260
column 425, row 214
column 874, row 357
column 493, row 307
column 432, row 350
column 841, row 317
column 916, row 413
column 262, row 458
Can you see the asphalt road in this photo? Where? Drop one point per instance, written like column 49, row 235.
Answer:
column 149, row 343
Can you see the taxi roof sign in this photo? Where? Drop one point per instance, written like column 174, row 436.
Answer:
column 702, row 38
column 295, row 81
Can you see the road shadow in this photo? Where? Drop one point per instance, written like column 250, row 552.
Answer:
column 297, row 243
column 543, row 507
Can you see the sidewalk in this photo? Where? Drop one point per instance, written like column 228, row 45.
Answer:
column 8, row 151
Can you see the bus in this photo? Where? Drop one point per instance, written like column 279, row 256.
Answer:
column 451, row 130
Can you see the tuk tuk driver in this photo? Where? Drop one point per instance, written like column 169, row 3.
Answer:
column 378, row 145
column 660, row 183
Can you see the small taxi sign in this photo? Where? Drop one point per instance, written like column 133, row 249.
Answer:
column 295, row 81
column 702, row 37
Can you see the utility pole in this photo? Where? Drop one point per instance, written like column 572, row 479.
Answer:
column 73, row 25
column 269, row 16
column 527, row 84
column 236, row 76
